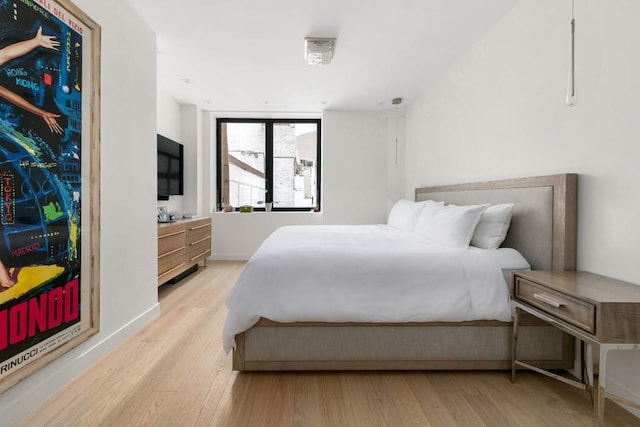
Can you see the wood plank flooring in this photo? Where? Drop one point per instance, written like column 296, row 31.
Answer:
column 175, row 373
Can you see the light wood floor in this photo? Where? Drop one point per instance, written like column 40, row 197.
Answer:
column 175, row 373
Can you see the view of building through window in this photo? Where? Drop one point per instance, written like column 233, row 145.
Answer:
column 271, row 161
column 294, row 164
column 246, row 149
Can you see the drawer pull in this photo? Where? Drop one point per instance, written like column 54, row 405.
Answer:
column 171, row 252
column 199, row 255
column 171, row 271
column 545, row 299
column 199, row 241
column 171, row 234
column 197, row 227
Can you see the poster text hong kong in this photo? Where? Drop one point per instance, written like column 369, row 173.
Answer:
column 40, row 180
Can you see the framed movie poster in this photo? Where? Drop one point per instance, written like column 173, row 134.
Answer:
column 49, row 183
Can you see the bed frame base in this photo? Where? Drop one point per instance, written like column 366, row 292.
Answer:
column 483, row 345
column 391, row 365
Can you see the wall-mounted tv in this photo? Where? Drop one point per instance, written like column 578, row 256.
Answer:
column 170, row 168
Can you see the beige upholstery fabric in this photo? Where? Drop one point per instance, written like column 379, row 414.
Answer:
column 532, row 216
column 349, row 343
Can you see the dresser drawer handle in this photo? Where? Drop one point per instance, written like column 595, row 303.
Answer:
column 199, row 241
column 548, row 300
column 171, row 271
column 197, row 227
column 199, row 255
column 171, row 234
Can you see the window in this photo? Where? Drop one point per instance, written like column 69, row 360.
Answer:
column 269, row 161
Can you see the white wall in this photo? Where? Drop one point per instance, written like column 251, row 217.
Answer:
column 396, row 164
column 168, row 113
column 354, row 167
column 499, row 112
column 128, row 293
column 236, row 235
column 208, row 138
column 190, row 136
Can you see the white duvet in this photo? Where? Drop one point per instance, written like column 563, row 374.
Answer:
column 364, row 273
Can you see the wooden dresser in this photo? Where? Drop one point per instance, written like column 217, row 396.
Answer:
column 182, row 245
column 604, row 313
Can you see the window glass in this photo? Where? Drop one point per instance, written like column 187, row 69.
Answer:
column 244, row 169
column 294, row 164
column 272, row 164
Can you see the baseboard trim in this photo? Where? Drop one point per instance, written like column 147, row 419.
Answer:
column 25, row 396
column 623, row 391
column 230, row 257
column 613, row 386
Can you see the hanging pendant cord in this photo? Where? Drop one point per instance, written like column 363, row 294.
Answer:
column 573, row 48
column 396, row 102
column 396, row 134
column 571, row 84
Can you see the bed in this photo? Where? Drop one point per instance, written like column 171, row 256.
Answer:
column 543, row 230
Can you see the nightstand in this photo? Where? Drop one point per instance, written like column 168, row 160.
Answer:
column 602, row 313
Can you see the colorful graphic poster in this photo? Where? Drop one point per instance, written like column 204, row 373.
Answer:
column 43, row 136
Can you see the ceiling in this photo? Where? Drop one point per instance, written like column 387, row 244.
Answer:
column 247, row 55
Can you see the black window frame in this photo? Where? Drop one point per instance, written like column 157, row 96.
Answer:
column 268, row 161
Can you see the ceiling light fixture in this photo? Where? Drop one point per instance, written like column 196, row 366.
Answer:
column 319, row 51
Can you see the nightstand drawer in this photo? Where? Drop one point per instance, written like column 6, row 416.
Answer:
column 577, row 312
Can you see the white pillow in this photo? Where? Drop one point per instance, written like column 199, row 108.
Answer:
column 493, row 227
column 404, row 214
column 450, row 226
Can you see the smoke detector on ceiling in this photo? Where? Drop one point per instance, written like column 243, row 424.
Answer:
column 319, row 51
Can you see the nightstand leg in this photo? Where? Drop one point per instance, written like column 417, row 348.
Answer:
column 514, row 345
column 584, row 370
column 592, row 367
column 602, row 384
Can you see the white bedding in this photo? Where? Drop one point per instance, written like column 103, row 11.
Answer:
column 366, row 273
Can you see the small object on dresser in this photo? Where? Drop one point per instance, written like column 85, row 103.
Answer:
column 246, row 208
column 177, row 215
column 163, row 215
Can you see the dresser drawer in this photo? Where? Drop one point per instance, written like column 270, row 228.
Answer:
column 172, row 262
column 198, row 230
column 577, row 312
column 198, row 240
column 171, row 242
column 199, row 249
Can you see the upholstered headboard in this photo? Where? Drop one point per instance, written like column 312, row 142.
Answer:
column 543, row 226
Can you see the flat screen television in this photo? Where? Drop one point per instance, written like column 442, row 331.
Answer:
column 170, row 168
